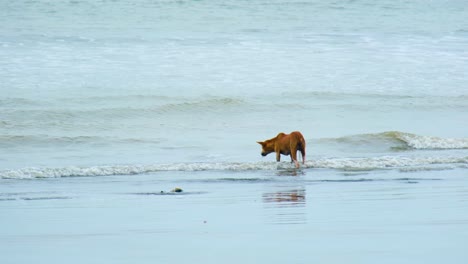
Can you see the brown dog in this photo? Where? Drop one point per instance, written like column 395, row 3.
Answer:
column 285, row 144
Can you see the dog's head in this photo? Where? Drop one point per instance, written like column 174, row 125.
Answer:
column 267, row 147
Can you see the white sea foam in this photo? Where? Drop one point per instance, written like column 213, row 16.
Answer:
column 373, row 163
column 428, row 142
column 402, row 140
column 385, row 162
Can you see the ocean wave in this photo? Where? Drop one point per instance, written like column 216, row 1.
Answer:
column 366, row 100
column 209, row 104
column 17, row 102
column 152, row 102
column 15, row 140
column 346, row 164
column 397, row 140
column 89, row 109
column 428, row 142
column 18, row 113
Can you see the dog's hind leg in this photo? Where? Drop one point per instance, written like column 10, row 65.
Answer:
column 303, row 155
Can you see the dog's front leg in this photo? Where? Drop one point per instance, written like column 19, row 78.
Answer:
column 278, row 156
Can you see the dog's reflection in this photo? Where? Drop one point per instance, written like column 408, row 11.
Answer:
column 291, row 197
column 285, row 207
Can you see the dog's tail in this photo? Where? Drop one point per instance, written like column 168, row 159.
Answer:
column 303, row 144
column 302, row 149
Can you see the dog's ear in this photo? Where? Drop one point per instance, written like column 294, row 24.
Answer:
column 260, row 142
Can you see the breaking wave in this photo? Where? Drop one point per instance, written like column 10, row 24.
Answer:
column 347, row 164
column 428, row 142
column 397, row 140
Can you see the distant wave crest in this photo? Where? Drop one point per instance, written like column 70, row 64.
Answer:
column 13, row 140
column 347, row 164
column 209, row 104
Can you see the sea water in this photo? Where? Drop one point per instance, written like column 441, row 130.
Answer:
column 104, row 104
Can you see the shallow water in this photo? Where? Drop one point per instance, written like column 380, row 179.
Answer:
column 318, row 215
